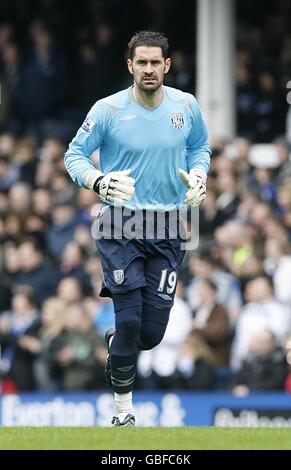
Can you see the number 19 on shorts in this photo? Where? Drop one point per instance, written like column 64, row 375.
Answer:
column 168, row 280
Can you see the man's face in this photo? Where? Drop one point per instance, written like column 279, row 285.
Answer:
column 148, row 68
column 258, row 290
column 29, row 257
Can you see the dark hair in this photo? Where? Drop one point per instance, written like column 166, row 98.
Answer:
column 210, row 284
column 27, row 292
column 33, row 242
column 149, row 39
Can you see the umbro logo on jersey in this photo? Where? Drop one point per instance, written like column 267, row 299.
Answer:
column 127, row 117
column 177, row 119
column 165, row 297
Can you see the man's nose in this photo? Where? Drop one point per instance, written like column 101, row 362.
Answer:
column 148, row 68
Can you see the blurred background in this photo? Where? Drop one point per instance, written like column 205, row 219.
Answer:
column 230, row 327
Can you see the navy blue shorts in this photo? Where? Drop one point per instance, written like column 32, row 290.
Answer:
column 128, row 263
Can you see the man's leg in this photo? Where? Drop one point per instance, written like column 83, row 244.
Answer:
column 154, row 324
column 158, row 299
column 123, row 350
column 123, row 268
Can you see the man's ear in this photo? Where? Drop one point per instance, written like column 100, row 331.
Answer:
column 129, row 65
column 168, row 63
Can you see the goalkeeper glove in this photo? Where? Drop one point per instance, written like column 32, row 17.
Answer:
column 196, row 182
column 116, row 186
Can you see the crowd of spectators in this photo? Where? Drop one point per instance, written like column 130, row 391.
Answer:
column 263, row 69
column 58, row 58
column 230, row 327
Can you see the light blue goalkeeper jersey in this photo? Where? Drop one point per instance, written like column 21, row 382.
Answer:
column 152, row 143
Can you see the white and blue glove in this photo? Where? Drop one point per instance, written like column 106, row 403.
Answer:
column 196, row 182
column 116, row 186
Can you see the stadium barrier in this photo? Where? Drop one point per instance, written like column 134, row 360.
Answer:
column 152, row 409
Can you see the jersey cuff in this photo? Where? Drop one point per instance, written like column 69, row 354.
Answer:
column 199, row 172
column 90, row 178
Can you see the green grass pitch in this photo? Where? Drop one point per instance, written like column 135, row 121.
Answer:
column 144, row 438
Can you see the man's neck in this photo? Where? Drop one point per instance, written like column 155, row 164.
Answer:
column 148, row 100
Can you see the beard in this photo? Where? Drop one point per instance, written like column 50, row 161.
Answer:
column 149, row 84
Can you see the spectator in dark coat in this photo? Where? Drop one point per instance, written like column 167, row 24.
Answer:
column 72, row 264
column 43, row 279
column 50, row 339
column 42, row 84
column 194, row 371
column 62, row 229
column 70, row 290
column 82, row 354
column 211, row 324
column 18, row 331
column 264, row 369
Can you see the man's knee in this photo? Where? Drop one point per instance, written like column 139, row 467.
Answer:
column 130, row 326
column 154, row 324
column 149, row 341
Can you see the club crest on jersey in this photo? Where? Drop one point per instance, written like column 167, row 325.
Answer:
column 177, row 119
column 118, row 276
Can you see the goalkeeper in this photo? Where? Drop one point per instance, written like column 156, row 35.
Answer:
column 154, row 156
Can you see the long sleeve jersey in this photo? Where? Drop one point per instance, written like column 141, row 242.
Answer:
column 153, row 143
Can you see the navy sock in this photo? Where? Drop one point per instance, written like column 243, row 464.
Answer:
column 123, row 372
column 123, row 351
